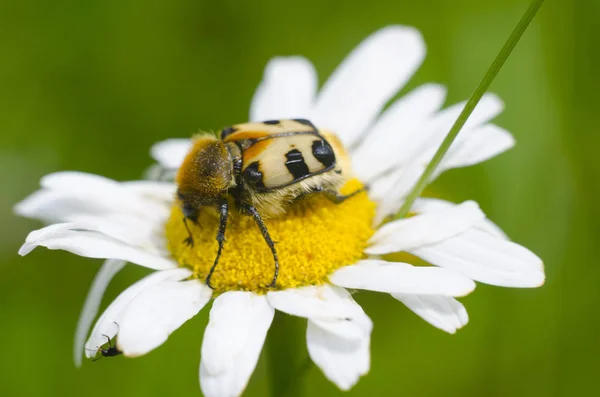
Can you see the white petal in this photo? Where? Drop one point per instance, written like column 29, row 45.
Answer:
column 156, row 172
column 480, row 145
column 354, row 95
column 92, row 303
column 131, row 213
column 233, row 339
column 75, row 180
column 75, row 239
column 69, row 193
column 492, row 229
column 425, row 229
column 140, row 233
column 412, row 158
column 394, row 130
column 379, row 187
column 442, row 312
column 157, row 311
column 320, row 302
column 108, row 323
column 99, row 188
column 435, row 130
column 329, row 306
column 342, row 360
column 52, row 206
column 488, row 107
column 487, row 259
column 171, row 152
column 157, row 190
column 389, row 191
column 395, row 277
column 427, row 204
column 287, row 90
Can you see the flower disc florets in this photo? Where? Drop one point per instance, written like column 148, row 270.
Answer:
column 313, row 238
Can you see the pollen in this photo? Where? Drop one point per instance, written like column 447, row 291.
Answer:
column 313, row 238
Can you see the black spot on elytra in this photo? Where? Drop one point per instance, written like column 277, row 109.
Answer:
column 225, row 132
column 272, row 122
column 305, row 122
column 295, row 164
column 323, row 152
column 253, row 175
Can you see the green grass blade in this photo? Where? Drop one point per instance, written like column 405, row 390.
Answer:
column 470, row 106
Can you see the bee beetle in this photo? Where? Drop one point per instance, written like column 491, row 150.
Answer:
column 263, row 167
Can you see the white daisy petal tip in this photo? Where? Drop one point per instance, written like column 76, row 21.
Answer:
column 466, row 288
column 534, row 277
column 293, row 63
column 489, row 107
column 35, row 238
column 442, row 312
column 170, row 152
column 410, row 36
column 495, row 102
column 486, row 257
column 354, row 95
column 342, row 360
column 287, row 90
column 24, row 207
column 26, row 248
column 232, row 342
column 530, row 273
column 541, row 279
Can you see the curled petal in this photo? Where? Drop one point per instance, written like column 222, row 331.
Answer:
column 76, row 239
column 92, row 303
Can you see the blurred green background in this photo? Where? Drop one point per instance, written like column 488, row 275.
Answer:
column 90, row 85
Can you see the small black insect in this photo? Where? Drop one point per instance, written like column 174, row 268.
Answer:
column 110, row 351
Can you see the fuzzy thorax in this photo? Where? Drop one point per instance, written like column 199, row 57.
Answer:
column 313, row 238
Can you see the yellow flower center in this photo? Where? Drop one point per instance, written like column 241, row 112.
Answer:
column 313, row 238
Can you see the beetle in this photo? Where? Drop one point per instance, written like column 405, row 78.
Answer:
column 263, row 167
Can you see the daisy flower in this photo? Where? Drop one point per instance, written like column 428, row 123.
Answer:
column 325, row 249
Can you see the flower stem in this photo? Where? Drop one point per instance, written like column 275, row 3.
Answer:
column 288, row 359
column 470, row 106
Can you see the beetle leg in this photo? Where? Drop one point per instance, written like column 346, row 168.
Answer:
column 191, row 214
column 189, row 240
column 340, row 198
column 96, row 351
column 265, row 233
column 224, row 211
column 332, row 195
